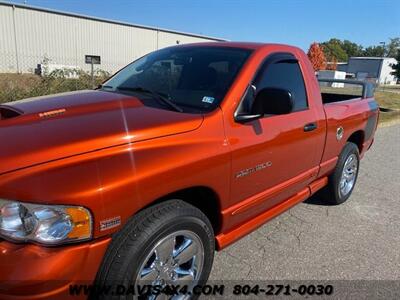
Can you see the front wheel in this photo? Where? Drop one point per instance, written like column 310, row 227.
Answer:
column 168, row 244
column 343, row 179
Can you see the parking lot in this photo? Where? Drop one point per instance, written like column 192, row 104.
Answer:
column 358, row 240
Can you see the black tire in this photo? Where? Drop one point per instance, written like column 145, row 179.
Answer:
column 331, row 193
column 131, row 246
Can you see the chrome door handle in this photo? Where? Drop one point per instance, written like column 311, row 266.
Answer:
column 310, row 127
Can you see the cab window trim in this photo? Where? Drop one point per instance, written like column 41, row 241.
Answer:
column 268, row 60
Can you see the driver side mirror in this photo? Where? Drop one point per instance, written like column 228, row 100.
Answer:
column 268, row 101
column 273, row 101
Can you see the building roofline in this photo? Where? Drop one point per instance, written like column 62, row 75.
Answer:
column 82, row 16
column 371, row 58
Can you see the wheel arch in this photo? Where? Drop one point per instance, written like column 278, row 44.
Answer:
column 357, row 138
column 201, row 197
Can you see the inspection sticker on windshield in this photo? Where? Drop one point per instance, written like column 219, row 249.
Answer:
column 208, row 99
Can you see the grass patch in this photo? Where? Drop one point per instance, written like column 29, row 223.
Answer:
column 20, row 86
column 388, row 100
column 393, row 116
column 391, row 101
column 390, row 87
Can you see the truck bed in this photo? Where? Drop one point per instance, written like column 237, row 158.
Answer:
column 332, row 97
column 350, row 115
column 336, row 90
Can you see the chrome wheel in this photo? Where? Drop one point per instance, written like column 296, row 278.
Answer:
column 176, row 259
column 349, row 174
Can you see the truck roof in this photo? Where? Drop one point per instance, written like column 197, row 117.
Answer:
column 246, row 45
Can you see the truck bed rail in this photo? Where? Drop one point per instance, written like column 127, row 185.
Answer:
column 368, row 88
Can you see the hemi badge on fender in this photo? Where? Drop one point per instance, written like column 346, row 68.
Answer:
column 52, row 113
column 110, row 223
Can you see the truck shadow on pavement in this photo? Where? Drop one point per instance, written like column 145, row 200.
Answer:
column 316, row 199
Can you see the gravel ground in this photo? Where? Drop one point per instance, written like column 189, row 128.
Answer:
column 358, row 240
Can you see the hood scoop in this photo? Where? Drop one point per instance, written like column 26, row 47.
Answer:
column 8, row 112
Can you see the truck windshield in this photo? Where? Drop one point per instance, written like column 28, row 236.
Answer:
column 192, row 77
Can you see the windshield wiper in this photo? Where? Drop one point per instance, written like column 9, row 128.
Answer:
column 102, row 86
column 155, row 94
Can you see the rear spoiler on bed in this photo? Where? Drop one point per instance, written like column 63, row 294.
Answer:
column 368, row 88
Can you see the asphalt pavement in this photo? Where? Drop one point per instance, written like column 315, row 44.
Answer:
column 358, row 240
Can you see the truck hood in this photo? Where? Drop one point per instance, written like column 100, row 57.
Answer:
column 43, row 129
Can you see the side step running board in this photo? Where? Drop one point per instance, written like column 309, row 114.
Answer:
column 225, row 239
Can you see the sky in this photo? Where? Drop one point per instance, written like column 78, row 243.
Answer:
column 295, row 22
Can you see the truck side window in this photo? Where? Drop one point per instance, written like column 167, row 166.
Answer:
column 285, row 74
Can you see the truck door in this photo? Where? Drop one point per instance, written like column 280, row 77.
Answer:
column 278, row 155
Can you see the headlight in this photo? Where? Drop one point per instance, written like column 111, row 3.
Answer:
column 45, row 224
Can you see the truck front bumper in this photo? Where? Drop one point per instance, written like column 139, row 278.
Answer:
column 30, row 271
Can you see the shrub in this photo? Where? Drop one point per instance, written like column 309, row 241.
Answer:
column 19, row 86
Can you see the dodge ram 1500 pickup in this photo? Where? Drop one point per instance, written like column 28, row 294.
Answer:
column 179, row 154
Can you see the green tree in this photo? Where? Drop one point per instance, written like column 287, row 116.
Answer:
column 352, row 49
column 396, row 67
column 393, row 47
column 333, row 49
column 376, row 51
column 342, row 50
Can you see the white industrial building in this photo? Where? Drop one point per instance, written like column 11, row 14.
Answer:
column 374, row 69
column 30, row 36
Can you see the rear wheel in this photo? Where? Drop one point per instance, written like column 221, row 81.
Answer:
column 171, row 243
column 342, row 181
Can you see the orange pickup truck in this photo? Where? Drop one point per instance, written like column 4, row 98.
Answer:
column 179, row 154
